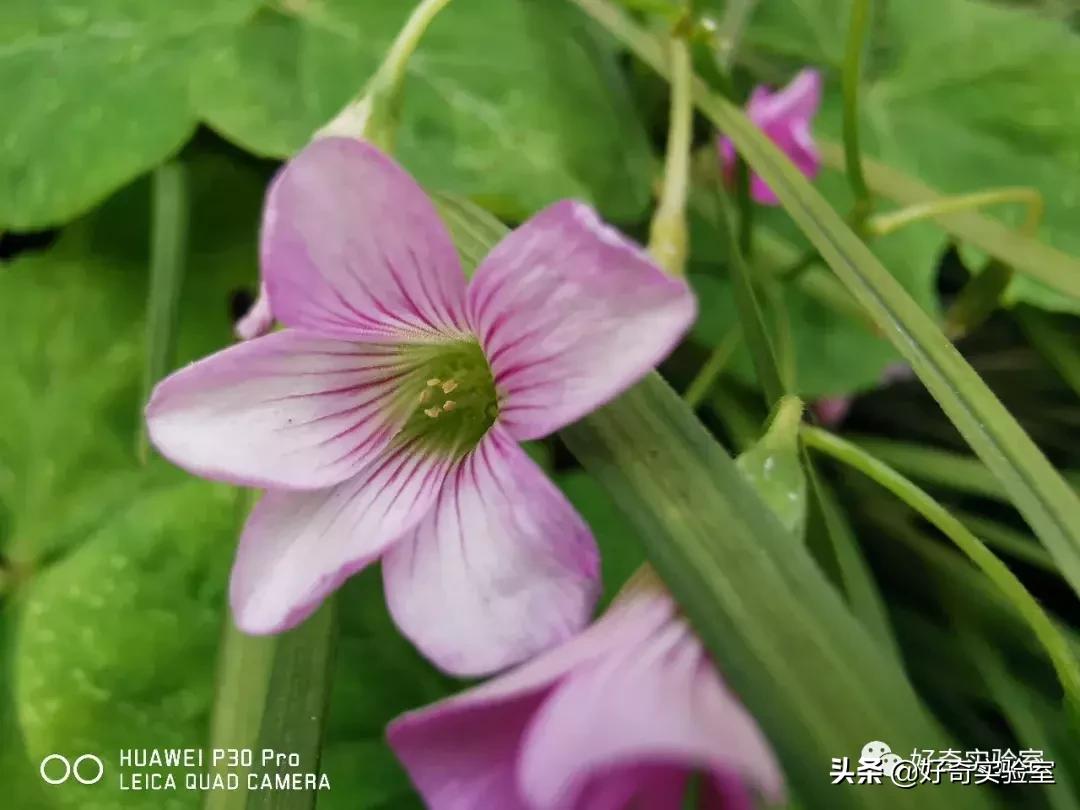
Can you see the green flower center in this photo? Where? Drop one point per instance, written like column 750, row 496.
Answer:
column 450, row 396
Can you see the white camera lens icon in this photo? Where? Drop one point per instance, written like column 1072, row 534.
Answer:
column 83, row 769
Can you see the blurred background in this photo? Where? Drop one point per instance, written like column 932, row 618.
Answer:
column 113, row 565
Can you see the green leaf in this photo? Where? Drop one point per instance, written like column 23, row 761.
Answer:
column 68, row 437
column 621, row 553
column 104, row 90
column 97, row 94
column 940, row 104
column 807, row 670
column 492, row 103
column 114, row 645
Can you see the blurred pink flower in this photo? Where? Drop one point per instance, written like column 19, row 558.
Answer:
column 620, row 716
column 384, row 419
column 784, row 116
column 833, row 411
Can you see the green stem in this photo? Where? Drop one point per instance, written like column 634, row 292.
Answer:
column 751, row 319
column 1052, row 267
column 850, row 80
column 884, row 224
column 729, row 30
column 375, row 114
column 168, row 248
column 710, row 372
column 996, row 571
column 668, row 233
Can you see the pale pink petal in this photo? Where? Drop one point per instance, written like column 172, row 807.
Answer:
column 461, row 752
column 298, row 547
column 660, row 702
column 258, row 320
column 571, row 313
column 285, row 410
column 501, row 569
column 352, row 247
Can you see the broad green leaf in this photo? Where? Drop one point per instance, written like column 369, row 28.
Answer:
column 97, row 92
column 805, row 667
column 493, row 101
column 102, row 91
column 944, row 104
column 114, row 645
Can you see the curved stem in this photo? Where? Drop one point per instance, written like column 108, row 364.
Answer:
column 710, row 372
column 850, row 78
column 884, row 224
column 995, row 570
column 374, row 115
column 668, row 233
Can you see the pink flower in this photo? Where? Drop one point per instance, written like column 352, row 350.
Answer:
column 384, row 419
column 784, row 116
column 618, row 717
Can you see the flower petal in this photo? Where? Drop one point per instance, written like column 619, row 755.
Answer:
column 570, row 313
column 799, row 100
column 658, row 702
column 285, row 410
column 352, row 247
column 465, row 748
column 258, row 320
column 298, row 547
column 501, row 569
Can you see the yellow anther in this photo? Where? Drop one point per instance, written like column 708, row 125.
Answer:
column 432, row 412
column 433, row 381
column 449, row 386
column 449, row 405
column 425, row 396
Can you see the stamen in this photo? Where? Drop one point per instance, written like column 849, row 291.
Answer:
column 449, row 405
column 432, row 412
column 425, row 396
column 449, row 386
column 433, row 381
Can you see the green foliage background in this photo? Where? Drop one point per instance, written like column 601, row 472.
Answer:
column 114, row 571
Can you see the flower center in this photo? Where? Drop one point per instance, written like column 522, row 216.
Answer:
column 450, row 394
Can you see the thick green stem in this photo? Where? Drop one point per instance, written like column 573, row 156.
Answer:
column 668, row 235
column 168, row 249
column 850, row 79
column 996, row 571
column 272, row 694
